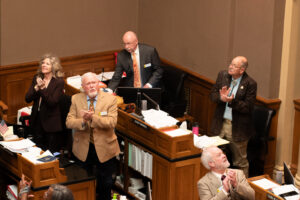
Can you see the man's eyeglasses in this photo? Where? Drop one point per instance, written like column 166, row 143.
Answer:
column 234, row 65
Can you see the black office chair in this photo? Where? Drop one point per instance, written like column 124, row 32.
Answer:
column 173, row 97
column 258, row 143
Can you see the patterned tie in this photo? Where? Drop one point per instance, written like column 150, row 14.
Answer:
column 223, row 177
column 234, row 83
column 136, row 72
column 92, row 108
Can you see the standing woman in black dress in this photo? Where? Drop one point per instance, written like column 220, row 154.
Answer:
column 45, row 92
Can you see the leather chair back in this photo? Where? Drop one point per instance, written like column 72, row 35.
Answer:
column 258, row 143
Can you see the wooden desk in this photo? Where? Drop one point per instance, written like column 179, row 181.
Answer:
column 176, row 162
column 260, row 193
column 77, row 179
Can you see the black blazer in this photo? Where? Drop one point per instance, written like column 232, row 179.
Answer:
column 150, row 68
column 242, row 105
column 49, row 113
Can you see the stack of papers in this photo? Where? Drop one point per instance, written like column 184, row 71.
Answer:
column 178, row 132
column 34, row 155
column 19, row 146
column 105, row 76
column 158, row 118
column 74, row 81
column 265, row 183
column 279, row 190
column 287, row 191
column 205, row 141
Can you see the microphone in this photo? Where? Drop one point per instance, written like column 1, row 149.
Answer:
column 152, row 101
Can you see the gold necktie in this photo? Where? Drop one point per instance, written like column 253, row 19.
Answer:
column 91, row 108
column 136, row 72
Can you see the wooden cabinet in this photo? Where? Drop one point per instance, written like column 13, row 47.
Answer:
column 176, row 162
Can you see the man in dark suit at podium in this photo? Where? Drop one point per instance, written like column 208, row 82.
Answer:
column 140, row 62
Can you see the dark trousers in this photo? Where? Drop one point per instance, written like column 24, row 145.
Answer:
column 46, row 140
column 103, row 171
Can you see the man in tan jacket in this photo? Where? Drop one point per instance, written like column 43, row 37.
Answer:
column 221, row 182
column 93, row 116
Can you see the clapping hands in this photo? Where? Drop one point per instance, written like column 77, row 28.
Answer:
column 224, row 94
column 40, row 84
column 229, row 180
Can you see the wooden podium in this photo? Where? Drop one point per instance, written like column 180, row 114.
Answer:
column 176, row 162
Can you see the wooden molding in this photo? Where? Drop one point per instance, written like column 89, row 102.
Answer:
column 296, row 137
column 15, row 79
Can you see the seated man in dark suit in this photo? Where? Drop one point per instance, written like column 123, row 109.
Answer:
column 222, row 182
column 140, row 62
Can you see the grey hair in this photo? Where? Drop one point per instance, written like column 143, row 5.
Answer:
column 206, row 157
column 61, row 192
column 88, row 74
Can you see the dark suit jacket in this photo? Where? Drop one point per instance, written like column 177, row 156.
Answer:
column 49, row 113
column 151, row 71
column 208, row 188
column 242, row 105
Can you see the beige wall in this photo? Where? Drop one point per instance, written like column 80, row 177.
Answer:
column 30, row 28
column 205, row 35
column 199, row 34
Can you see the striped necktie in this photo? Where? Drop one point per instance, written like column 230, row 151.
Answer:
column 91, row 108
column 136, row 72
column 234, row 83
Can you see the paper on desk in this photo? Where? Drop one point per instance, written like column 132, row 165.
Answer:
column 10, row 131
column 105, row 76
column 19, row 146
column 178, row 132
column 265, row 183
column 158, row 118
column 284, row 189
column 74, row 81
column 34, row 153
column 294, row 197
column 205, row 141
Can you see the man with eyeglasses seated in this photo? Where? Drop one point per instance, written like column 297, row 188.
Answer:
column 140, row 62
column 234, row 93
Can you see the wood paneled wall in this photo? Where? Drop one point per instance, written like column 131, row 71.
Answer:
column 16, row 79
column 296, row 137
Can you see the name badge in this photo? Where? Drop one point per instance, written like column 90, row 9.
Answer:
column 103, row 113
column 147, row 65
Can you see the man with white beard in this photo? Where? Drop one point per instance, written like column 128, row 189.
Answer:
column 222, row 182
column 93, row 115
